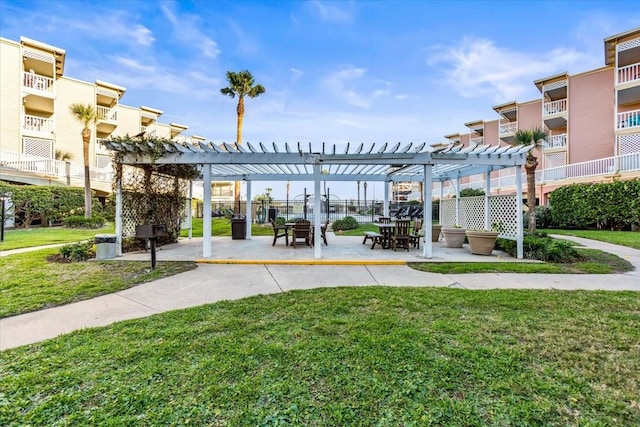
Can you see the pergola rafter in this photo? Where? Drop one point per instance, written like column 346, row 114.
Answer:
column 386, row 162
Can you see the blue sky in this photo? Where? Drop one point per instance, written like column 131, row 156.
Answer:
column 337, row 71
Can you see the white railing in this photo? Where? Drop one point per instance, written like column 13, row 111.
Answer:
column 37, row 82
column 38, row 124
column 628, row 119
column 554, row 107
column 629, row 73
column 110, row 114
column 50, row 167
column 555, row 141
column 509, row 127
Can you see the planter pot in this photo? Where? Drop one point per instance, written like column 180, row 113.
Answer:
column 453, row 237
column 481, row 242
column 435, row 232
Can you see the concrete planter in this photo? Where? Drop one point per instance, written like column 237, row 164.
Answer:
column 481, row 242
column 453, row 237
column 435, row 232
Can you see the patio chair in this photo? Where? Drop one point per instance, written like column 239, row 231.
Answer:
column 280, row 231
column 416, row 234
column 384, row 220
column 323, row 233
column 301, row 233
column 401, row 235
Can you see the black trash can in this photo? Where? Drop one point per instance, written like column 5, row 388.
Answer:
column 238, row 227
column 273, row 214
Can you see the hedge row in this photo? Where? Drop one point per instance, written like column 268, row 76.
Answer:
column 613, row 205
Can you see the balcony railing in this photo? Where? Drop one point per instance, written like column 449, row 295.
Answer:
column 50, row 167
column 555, row 141
column 109, row 114
column 629, row 73
column 506, row 128
column 554, row 107
column 628, row 119
column 38, row 124
column 37, row 82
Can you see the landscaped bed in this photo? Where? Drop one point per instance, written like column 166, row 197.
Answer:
column 344, row 356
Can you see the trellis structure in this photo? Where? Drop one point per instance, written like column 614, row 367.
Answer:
column 304, row 162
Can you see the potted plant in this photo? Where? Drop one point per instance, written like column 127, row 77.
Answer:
column 435, row 232
column 481, row 242
column 453, row 236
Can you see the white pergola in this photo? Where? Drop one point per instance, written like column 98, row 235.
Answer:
column 304, row 162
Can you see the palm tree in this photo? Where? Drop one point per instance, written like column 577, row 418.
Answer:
column 241, row 84
column 536, row 136
column 86, row 115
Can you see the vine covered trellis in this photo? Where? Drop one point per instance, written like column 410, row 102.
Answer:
column 153, row 194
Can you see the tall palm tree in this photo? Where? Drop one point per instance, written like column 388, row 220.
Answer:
column 85, row 114
column 536, row 137
column 241, row 84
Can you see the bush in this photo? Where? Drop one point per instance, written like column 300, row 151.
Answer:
column 347, row 223
column 543, row 217
column 82, row 222
column 77, row 252
column 541, row 248
column 471, row 192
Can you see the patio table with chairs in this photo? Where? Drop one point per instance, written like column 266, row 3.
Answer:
column 394, row 234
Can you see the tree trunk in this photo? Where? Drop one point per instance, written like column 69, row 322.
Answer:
column 236, row 186
column 86, row 135
column 530, row 167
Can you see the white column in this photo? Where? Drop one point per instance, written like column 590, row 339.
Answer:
column 206, row 211
column 440, row 203
column 119, row 214
column 317, row 238
column 249, row 213
column 458, row 201
column 487, row 206
column 427, row 247
column 190, row 209
column 385, row 210
column 519, row 227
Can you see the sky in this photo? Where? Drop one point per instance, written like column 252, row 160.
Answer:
column 334, row 71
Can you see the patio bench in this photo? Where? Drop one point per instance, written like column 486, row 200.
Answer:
column 373, row 236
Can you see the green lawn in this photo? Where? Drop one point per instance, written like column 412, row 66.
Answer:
column 29, row 282
column 222, row 227
column 25, row 238
column 344, row 356
column 624, row 238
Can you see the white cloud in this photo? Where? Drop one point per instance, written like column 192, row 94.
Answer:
column 479, row 68
column 330, row 12
column 186, row 29
column 133, row 64
column 296, row 74
column 351, row 85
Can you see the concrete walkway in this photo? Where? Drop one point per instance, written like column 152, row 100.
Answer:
column 210, row 283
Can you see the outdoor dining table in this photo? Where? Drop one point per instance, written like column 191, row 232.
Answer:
column 386, row 229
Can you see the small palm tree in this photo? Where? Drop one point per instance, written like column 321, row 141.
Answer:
column 241, row 84
column 85, row 114
column 536, row 137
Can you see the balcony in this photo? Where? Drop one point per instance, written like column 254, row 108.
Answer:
column 108, row 119
column 507, row 130
column 628, row 120
column 478, row 140
column 555, row 141
column 37, row 84
column 38, row 126
column 629, row 73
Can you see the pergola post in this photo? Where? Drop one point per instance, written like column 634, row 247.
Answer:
column 249, row 210
column 119, row 211
column 190, row 210
column 427, row 211
column 457, row 200
column 487, row 205
column 317, row 237
column 519, row 225
column 206, row 211
column 440, row 202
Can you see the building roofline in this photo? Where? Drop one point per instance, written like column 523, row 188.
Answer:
column 540, row 82
column 611, row 42
column 152, row 110
column 121, row 90
column 178, row 126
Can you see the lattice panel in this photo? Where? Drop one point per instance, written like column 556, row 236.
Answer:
column 38, row 56
column 103, row 161
column 628, row 45
column 472, row 212
column 448, row 212
column 554, row 160
column 503, row 214
column 629, row 144
column 38, row 147
column 554, row 85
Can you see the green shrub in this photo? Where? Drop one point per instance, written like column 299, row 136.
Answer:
column 543, row 217
column 280, row 221
column 82, row 222
column 77, row 252
column 541, row 248
column 347, row 223
column 471, row 192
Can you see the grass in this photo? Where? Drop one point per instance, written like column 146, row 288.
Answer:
column 344, row 356
column 25, row 238
column 29, row 282
column 623, row 238
column 222, row 227
column 594, row 262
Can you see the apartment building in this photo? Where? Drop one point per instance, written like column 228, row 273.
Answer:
column 592, row 118
column 35, row 121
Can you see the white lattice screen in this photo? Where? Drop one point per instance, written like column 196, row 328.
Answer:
column 554, row 160
column 503, row 214
column 103, row 161
column 38, row 147
column 629, row 143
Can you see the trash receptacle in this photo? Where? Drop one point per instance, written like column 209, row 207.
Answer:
column 238, row 227
column 105, row 246
column 273, row 214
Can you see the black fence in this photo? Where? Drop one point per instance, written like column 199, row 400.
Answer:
column 293, row 209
